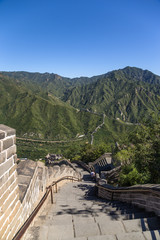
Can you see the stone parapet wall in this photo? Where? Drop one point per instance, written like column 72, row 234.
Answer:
column 66, row 163
column 34, row 177
column 60, row 169
column 9, row 191
column 145, row 196
column 83, row 165
column 31, row 195
column 23, row 186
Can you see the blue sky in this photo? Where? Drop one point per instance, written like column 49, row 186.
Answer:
column 79, row 37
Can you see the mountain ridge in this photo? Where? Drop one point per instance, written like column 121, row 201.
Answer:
column 53, row 107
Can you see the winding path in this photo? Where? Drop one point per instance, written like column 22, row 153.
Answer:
column 77, row 214
column 97, row 128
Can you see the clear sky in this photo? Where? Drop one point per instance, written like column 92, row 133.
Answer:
column 79, row 37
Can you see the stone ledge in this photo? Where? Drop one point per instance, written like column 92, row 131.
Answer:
column 6, row 131
column 26, row 167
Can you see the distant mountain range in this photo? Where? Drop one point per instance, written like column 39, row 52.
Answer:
column 48, row 106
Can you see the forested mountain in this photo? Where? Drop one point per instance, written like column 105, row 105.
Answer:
column 41, row 115
column 53, row 107
column 129, row 94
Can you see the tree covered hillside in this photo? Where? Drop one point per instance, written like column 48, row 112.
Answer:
column 48, row 106
column 129, row 94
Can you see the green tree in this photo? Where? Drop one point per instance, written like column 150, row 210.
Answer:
column 142, row 155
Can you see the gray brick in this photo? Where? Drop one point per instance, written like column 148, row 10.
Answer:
column 7, row 143
column 3, row 179
column 2, row 157
column 11, row 151
column 5, row 166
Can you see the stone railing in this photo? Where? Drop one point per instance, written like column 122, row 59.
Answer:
column 145, row 196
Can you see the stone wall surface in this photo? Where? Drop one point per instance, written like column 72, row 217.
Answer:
column 9, row 192
column 34, row 177
column 145, row 196
column 23, row 186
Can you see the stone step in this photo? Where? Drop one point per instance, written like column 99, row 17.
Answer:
column 110, row 212
column 50, row 219
column 48, row 233
column 117, row 206
column 131, row 216
column 62, row 227
column 103, row 203
column 152, row 235
column 143, row 224
column 147, row 235
column 77, row 214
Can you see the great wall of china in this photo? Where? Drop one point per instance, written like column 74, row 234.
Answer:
column 22, row 187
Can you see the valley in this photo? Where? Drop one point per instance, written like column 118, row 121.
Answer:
column 51, row 109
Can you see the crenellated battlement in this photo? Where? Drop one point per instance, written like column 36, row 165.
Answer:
column 9, row 191
column 22, row 186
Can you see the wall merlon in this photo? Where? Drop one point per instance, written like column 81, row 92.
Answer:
column 7, row 130
column 9, row 191
column 22, row 185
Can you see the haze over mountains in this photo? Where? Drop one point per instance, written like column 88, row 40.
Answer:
column 53, row 107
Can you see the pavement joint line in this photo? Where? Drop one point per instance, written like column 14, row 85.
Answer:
column 116, row 236
column 99, row 228
column 74, row 232
column 124, row 226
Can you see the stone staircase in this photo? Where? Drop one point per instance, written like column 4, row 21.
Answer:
column 77, row 214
